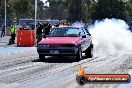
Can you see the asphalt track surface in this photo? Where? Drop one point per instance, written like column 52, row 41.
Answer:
column 25, row 70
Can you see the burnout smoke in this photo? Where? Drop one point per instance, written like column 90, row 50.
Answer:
column 80, row 24
column 110, row 36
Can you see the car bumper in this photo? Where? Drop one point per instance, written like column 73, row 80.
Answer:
column 67, row 51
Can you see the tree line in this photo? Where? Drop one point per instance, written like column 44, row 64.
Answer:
column 71, row 10
column 20, row 9
column 90, row 10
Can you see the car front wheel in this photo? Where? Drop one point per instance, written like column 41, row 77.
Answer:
column 89, row 51
column 79, row 54
column 41, row 57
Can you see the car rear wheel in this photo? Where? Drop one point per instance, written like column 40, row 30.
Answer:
column 79, row 54
column 41, row 57
column 89, row 51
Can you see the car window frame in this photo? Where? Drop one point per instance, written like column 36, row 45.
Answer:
column 87, row 32
column 60, row 28
column 82, row 31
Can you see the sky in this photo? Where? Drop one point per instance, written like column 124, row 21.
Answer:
column 45, row 3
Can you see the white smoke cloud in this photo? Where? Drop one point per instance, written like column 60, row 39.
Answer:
column 79, row 24
column 110, row 36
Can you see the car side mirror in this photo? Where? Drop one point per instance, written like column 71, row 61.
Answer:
column 79, row 33
column 89, row 34
column 84, row 36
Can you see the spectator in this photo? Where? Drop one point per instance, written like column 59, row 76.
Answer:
column 47, row 28
column 3, row 30
column 39, row 32
column 32, row 27
column 23, row 27
column 13, row 35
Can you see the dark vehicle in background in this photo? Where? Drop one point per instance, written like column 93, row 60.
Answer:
column 32, row 21
column 66, row 41
column 29, row 22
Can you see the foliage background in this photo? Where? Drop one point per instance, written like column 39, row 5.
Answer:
column 71, row 10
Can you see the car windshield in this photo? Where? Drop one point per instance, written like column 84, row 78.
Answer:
column 64, row 32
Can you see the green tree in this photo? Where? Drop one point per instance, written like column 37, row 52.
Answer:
column 129, row 8
column 40, row 10
column 2, row 10
column 17, row 9
column 89, row 9
column 58, row 9
column 22, row 8
column 76, row 10
column 129, row 12
column 109, row 9
column 9, row 13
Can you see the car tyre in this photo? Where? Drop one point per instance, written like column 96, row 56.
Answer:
column 89, row 51
column 79, row 54
column 41, row 57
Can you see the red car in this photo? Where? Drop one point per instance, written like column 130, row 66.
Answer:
column 66, row 41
